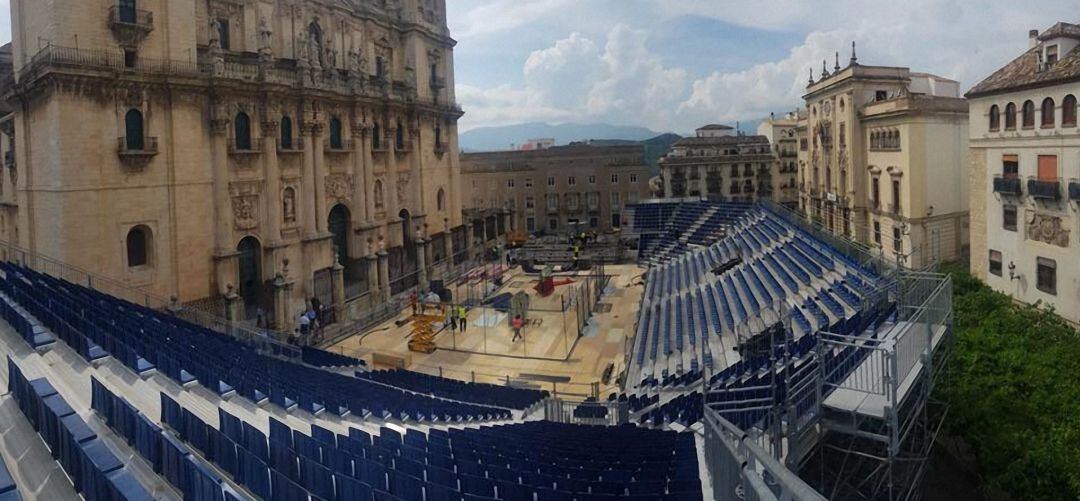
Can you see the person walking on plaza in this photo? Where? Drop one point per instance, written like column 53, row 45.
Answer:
column 518, row 324
column 463, row 319
column 414, row 303
column 451, row 318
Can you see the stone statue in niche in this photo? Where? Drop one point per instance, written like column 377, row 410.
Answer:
column 331, row 54
column 215, row 34
column 288, row 205
column 352, row 59
column 266, row 36
column 302, row 47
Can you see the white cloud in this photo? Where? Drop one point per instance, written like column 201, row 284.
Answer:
column 601, row 73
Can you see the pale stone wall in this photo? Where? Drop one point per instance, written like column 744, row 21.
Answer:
column 78, row 194
column 1055, row 235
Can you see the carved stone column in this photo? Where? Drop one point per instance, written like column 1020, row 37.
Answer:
column 337, row 277
column 421, row 262
column 417, row 179
column 307, row 180
column 234, row 305
column 272, row 176
column 368, row 177
column 282, row 290
column 359, row 165
column 390, row 198
column 373, row 277
column 384, row 274
column 219, row 158
column 319, row 156
column 448, row 242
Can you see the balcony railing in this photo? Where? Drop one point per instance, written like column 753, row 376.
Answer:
column 149, row 147
column 295, row 147
column 345, row 146
column 894, row 209
column 1008, row 185
column 254, row 147
column 130, row 25
column 1046, row 189
column 1074, row 190
column 56, row 58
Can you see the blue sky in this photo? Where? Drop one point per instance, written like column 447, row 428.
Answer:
column 676, row 64
column 672, row 65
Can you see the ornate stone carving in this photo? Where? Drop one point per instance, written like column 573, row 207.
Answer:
column 266, row 36
column 245, row 204
column 402, row 187
column 339, row 186
column 288, row 205
column 1047, row 228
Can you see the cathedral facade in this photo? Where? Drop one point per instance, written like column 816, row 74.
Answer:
column 249, row 154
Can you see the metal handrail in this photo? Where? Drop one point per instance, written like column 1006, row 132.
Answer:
column 261, row 340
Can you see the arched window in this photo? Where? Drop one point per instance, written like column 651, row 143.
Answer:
column 995, row 118
column 1047, row 119
column 1010, row 116
column 399, row 138
column 1028, row 114
column 286, row 133
column 378, row 195
column 440, row 200
column 242, row 129
column 335, row 133
column 138, row 246
column 127, row 11
column 376, row 137
column 1068, row 111
column 438, row 136
column 133, row 125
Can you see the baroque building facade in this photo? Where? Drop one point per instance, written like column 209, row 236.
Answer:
column 553, row 189
column 1025, row 173
column 883, row 162
column 721, row 163
column 248, row 154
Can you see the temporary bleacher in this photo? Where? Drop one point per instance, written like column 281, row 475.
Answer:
column 699, row 307
column 93, row 468
column 479, row 393
column 666, row 229
column 96, row 325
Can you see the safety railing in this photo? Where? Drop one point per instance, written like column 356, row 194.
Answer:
column 742, row 470
column 264, row 341
column 587, row 413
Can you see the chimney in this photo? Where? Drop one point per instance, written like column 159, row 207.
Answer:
column 1033, row 38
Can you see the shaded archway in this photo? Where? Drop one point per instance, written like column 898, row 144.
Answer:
column 338, row 224
column 248, row 268
column 403, row 258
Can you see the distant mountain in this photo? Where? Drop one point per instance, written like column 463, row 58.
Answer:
column 503, row 138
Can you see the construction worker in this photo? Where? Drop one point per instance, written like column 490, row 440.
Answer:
column 463, row 319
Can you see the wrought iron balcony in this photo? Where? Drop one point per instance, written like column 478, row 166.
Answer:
column 345, row 146
column 1074, row 190
column 253, row 147
column 146, row 146
column 1046, row 189
column 129, row 25
column 1008, row 185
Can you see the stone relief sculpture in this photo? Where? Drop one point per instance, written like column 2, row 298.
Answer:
column 1047, row 229
column 339, row 186
column 245, row 211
